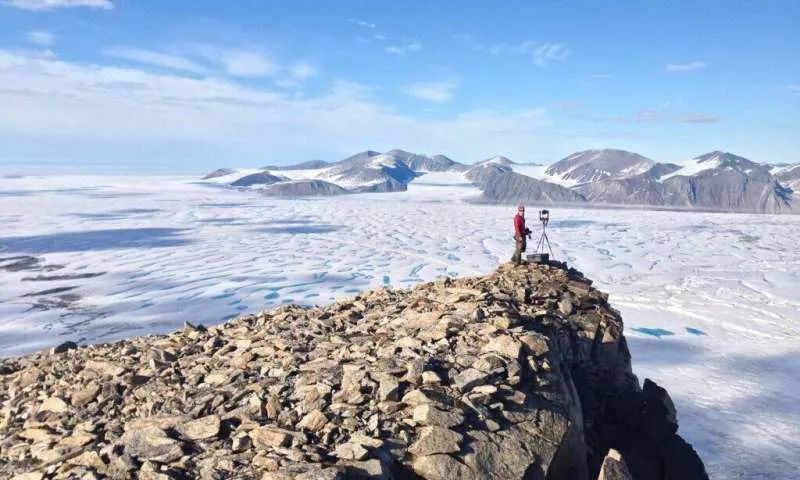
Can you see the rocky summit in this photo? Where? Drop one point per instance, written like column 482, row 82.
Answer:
column 523, row 373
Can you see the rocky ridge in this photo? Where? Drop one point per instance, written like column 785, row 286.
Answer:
column 523, row 373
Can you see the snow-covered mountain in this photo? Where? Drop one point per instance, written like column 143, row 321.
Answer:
column 424, row 163
column 788, row 175
column 713, row 181
column 366, row 171
column 716, row 181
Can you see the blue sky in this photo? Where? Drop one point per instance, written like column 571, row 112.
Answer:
column 187, row 85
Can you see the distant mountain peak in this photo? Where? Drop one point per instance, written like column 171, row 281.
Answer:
column 726, row 159
column 598, row 164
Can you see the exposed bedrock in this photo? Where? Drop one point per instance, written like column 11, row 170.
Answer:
column 523, row 373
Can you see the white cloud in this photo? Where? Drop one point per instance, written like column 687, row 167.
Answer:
column 685, row 67
column 41, row 38
column 404, row 48
column 436, row 92
column 297, row 74
column 547, row 53
column 243, row 63
column 52, row 100
column 794, row 88
column 41, row 5
column 157, row 59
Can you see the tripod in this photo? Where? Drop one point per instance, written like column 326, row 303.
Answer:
column 544, row 217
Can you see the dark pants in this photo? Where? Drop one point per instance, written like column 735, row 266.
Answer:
column 521, row 245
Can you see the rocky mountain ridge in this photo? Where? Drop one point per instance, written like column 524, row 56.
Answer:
column 523, row 373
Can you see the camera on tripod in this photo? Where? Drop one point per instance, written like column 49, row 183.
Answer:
column 544, row 216
column 541, row 255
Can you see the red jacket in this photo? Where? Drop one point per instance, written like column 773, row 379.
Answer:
column 519, row 226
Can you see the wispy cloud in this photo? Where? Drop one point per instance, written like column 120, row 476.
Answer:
column 362, row 23
column 653, row 116
column 40, row 38
column 42, row 5
column 157, row 59
column 547, row 53
column 685, row 67
column 404, row 49
column 698, row 118
column 435, row 92
column 540, row 53
column 795, row 88
column 206, row 59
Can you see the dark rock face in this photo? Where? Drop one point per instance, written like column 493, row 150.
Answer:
column 264, row 178
column 304, row 188
column 500, row 184
column 746, row 187
column 218, row 173
column 468, row 378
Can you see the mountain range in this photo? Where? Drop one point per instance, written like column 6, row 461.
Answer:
column 715, row 181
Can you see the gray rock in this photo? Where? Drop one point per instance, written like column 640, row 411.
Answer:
column 566, row 307
column 351, row 451
column 268, row 437
column 614, row 467
column 152, row 444
column 314, row 421
column 63, row 347
column 504, row 345
column 200, row 429
column 430, row 415
column 433, row 439
column 440, row 467
column 469, row 378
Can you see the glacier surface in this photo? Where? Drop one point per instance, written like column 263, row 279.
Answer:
column 711, row 302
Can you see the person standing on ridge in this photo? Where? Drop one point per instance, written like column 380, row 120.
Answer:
column 520, row 234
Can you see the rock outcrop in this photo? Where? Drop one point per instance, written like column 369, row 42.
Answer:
column 524, row 373
column 304, row 188
column 263, row 178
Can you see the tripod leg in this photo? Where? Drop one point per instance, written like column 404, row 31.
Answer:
column 548, row 246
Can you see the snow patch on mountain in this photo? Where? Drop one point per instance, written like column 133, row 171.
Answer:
column 693, row 167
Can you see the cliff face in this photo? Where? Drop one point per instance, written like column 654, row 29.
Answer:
column 523, row 373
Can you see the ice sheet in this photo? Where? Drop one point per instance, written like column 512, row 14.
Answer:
column 711, row 301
